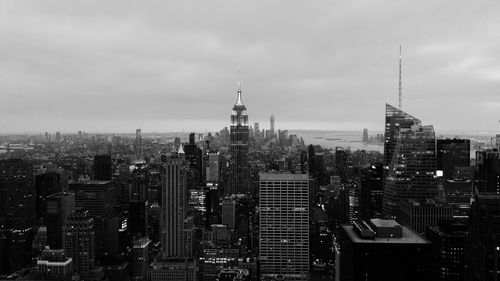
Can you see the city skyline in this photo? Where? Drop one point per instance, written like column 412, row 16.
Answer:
column 164, row 67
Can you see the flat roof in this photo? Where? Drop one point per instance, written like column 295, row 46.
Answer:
column 384, row 223
column 409, row 237
column 283, row 176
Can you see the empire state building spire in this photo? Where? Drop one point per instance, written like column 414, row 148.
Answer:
column 239, row 115
column 239, row 102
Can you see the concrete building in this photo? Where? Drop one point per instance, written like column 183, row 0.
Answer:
column 284, row 226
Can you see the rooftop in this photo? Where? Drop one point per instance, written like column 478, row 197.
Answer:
column 408, row 237
column 283, row 177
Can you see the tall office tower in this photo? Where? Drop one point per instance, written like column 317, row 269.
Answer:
column 395, row 120
column 17, row 196
column 138, row 205
column 98, row 198
column 20, row 246
column 256, row 130
column 46, row 183
column 271, row 128
column 482, row 248
column 411, row 170
column 213, row 169
column 59, row 207
column 365, row 135
column 418, row 214
column 54, row 265
column 229, row 213
column 138, row 144
column 174, row 240
column 341, row 162
column 102, row 167
column 212, row 205
column 140, row 258
column 381, row 250
column 79, row 242
column 448, row 243
column 487, row 178
column 452, row 153
column 239, row 177
column 195, row 161
column 372, row 191
column 284, row 226
column 58, row 137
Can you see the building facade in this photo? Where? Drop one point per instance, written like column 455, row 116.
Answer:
column 284, row 226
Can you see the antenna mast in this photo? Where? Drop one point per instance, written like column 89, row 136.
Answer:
column 400, row 84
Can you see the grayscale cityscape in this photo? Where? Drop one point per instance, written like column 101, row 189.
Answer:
column 250, row 140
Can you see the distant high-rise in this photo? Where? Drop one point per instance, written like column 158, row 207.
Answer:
column 239, row 150
column 138, row 205
column 256, row 130
column 174, row 238
column 395, row 120
column 138, row 144
column 487, row 178
column 213, row 169
column 452, row 153
column 98, row 198
column 272, row 129
column 17, row 196
column 229, row 213
column 410, row 159
column 194, row 159
column 448, row 244
column 482, row 249
column 284, row 226
column 46, row 183
column 79, row 242
column 365, row 135
column 59, row 207
column 372, row 191
column 102, row 167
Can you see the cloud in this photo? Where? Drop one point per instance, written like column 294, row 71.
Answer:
column 116, row 65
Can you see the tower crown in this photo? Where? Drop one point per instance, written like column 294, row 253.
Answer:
column 239, row 115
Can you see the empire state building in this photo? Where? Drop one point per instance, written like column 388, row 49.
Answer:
column 239, row 176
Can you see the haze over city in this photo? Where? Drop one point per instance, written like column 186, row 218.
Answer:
column 162, row 66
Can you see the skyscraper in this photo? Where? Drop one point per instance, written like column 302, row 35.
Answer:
column 482, row 248
column 174, row 238
column 240, row 175
column 452, row 153
column 79, row 242
column 372, row 191
column 102, row 167
column 138, row 144
column 98, row 198
column 284, row 226
column 194, row 159
column 271, row 128
column 17, row 196
column 410, row 160
column 487, row 178
column 138, row 205
column 59, row 207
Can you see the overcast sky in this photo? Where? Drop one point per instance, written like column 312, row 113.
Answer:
column 114, row 66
